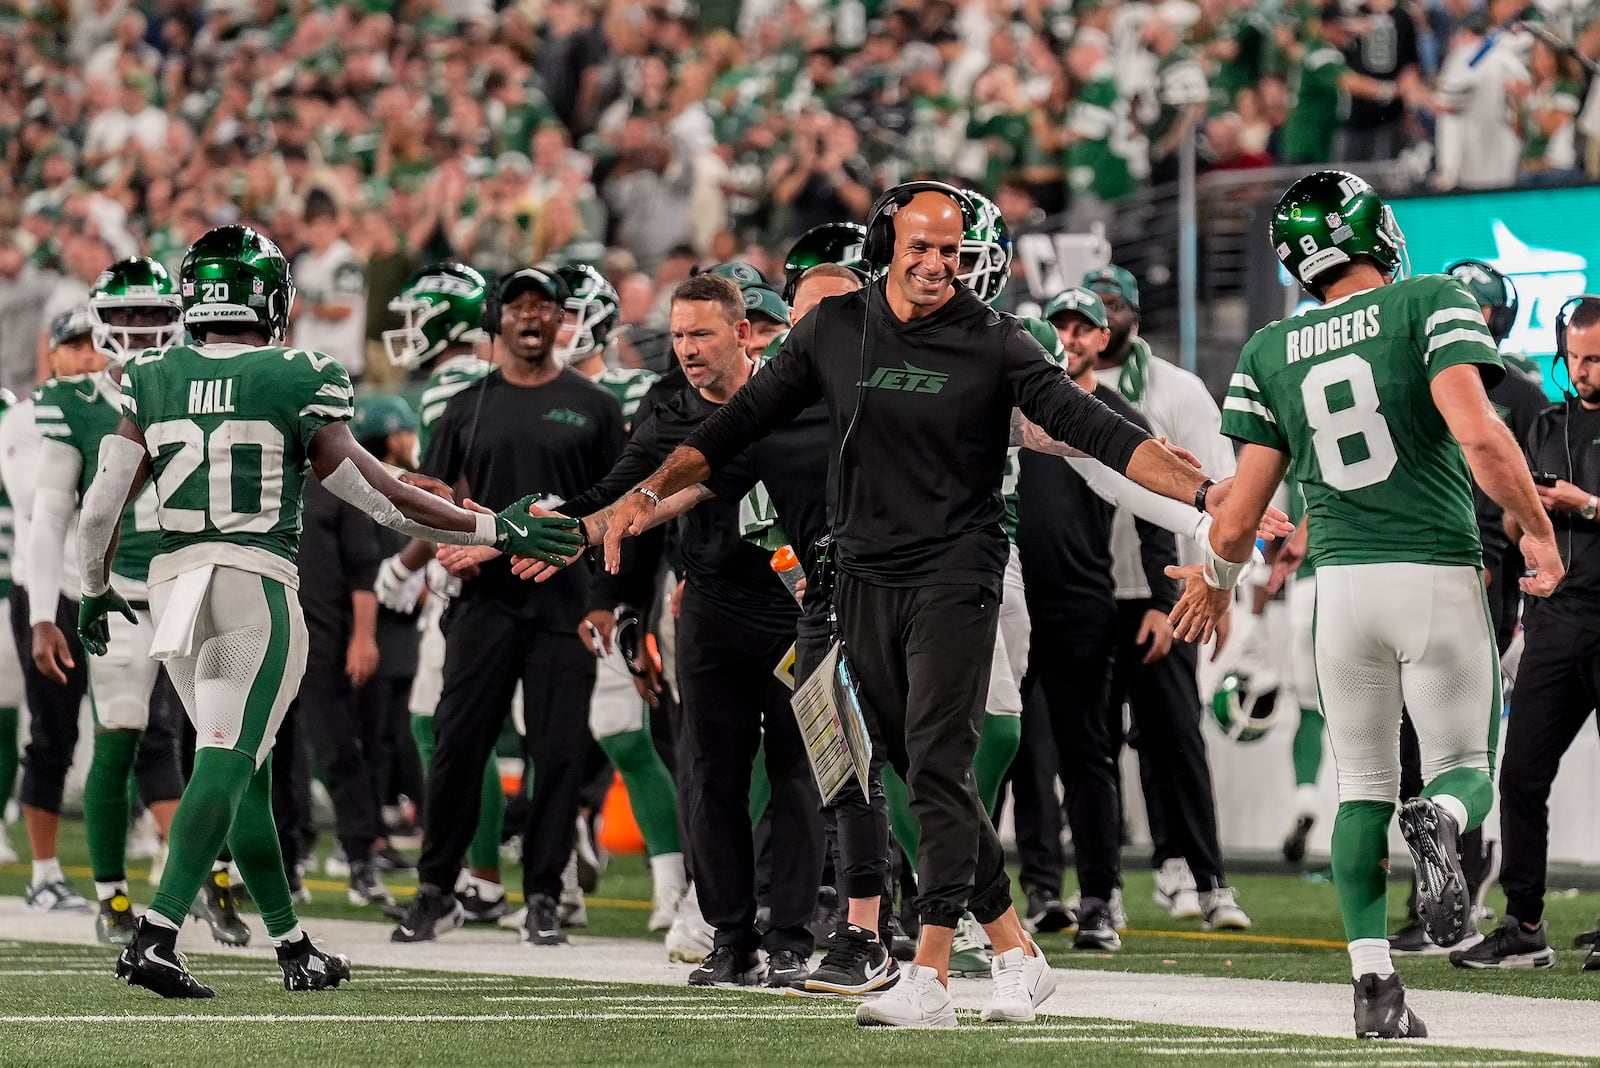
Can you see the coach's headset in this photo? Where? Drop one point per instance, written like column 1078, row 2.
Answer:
column 1503, row 317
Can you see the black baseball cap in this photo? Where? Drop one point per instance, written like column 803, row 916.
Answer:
column 521, row 281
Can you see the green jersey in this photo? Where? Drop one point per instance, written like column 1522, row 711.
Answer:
column 1344, row 389
column 448, row 378
column 1319, row 105
column 80, row 411
column 628, row 385
column 228, row 429
column 1050, row 340
column 1109, row 156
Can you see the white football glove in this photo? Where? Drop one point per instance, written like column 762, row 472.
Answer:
column 394, row 587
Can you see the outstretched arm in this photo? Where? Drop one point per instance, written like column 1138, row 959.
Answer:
column 123, row 470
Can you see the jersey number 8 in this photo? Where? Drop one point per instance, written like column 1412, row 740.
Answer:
column 226, row 490
column 1357, row 424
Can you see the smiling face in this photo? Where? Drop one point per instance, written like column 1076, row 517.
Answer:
column 1083, row 341
column 927, row 248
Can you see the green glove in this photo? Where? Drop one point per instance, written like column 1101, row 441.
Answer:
column 93, row 628
column 551, row 539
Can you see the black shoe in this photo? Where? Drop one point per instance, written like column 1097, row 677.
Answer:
column 1294, row 845
column 856, row 963
column 1413, row 939
column 902, row 946
column 1046, row 913
column 1591, row 963
column 391, row 859
column 1095, row 929
column 727, row 967
column 480, row 909
column 787, row 967
column 365, row 886
column 1443, row 904
column 1589, row 939
column 431, row 913
column 825, row 917
column 115, row 925
column 216, row 907
column 542, row 926
column 305, row 967
column 1508, row 946
column 153, row 962
column 1381, row 1009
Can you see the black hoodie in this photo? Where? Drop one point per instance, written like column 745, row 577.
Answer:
column 922, row 411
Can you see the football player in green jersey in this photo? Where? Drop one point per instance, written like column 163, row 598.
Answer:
column 441, row 327
column 133, row 305
column 228, row 430
column 1376, row 403
column 619, row 717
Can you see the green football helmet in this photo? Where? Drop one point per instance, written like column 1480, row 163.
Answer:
column 985, row 264
column 236, row 276
column 838, row 242
column 440, row 305
column 1491, row 290
column 1245, row 708
column 1329, row 218
column 591, row 312
column 134, row 306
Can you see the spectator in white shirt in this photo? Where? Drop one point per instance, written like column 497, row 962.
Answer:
column 330, row 313
column 1477, row 142
column 132, row 119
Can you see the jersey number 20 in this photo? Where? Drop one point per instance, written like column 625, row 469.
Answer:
column 1359, row 420
column 216, row 452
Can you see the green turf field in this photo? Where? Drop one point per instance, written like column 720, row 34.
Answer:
column 60, row 1006
column 1296, row 934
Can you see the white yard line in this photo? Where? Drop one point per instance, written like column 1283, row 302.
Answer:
column 1475, row 1020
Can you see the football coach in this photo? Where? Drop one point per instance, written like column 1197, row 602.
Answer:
column 920, row 379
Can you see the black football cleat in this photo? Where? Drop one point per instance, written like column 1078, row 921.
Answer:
column 1443, row 903
column 217, row 908
column 116, row 924
column 153, row 962
column 431, row 913
column 728, row 967
column 1381, row 1010
column 305, row 967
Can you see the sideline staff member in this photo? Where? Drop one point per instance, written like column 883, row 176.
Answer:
column 1558, row 682
column 923, row 417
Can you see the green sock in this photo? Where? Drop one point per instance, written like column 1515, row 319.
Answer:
column 254, row 842
column 902, row 823
column 200, row 826
column 1002, row 735
column 484, row 852
column 760, row 786
column 1361, row 867
column 1308, row 747
column 422, row 734
column 105, row 803
column 1469, row 786
column 650, row 790
column 8, row 755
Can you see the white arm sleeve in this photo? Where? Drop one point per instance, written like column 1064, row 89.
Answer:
column 349, row 485
column 1166, row 513
column 55, row 498
column 102, row 507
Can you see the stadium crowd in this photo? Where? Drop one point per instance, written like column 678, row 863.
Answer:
column 449, row 180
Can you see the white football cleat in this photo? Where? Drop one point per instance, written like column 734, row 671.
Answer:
column 918, row 1000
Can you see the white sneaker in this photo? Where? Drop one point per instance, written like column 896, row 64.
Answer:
column 7, row 854
column 572, row 910
column 690, row 938
column 1021, row 985
column 515, row 920
column 1175, row 890
column 917, row 1000
column 1220, row 912
column 664, row 904
column 337, row 865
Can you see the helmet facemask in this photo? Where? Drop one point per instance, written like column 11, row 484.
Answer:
column 120, row 342
column 408, row 346
column 584, row 339
column 984, row 268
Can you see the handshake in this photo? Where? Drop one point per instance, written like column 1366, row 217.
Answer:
column 551, row 539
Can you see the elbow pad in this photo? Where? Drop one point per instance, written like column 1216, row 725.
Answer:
column 349, row 485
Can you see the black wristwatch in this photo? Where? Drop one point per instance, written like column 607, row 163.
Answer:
column 1200, row 495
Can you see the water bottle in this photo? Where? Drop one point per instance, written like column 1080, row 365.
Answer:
column 787, row 566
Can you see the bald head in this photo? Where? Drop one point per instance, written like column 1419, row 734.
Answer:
column 927, row 248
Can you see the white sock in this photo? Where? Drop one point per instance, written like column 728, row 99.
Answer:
column 1305, row 799
column 46, row 871
column 294, row 934
column 487, row 890
column 219, row 865
column 107, row 891
column 463, row 880
column 1452, row 805
column 155, row 918
column 666, row 869
column 1370, row 956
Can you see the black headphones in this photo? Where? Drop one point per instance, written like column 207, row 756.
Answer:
column 1564, row 316
column 877, row 249
column 494, row 300
column 1503, row 318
